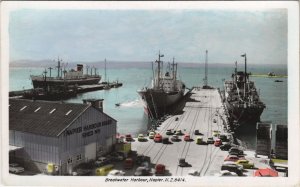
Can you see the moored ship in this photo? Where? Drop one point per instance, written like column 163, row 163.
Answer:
column 242, row 99
column 66, row 78
column 165, row 91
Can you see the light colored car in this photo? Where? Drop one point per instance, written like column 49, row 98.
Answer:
column 216, row 133
column 178, row 132
column 15, row 168
column 141, row 138
column 226, row 173
column 151, row 135
column 115, row 172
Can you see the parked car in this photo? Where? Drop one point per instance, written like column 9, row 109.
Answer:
column 187, row 137
column 178, row 132
column 165, row 140
column 199, row 140
column 141, row 138
column 104, row 170
column 246, row 164
column 175, row 138
column 233, row 158
column 169, row 132
column 151, row 135
column 15, row 168
column 215, row 133
column 142, row 171
column 232, row 168
column 182, row 163
column 160, row 169
column 193, row 173
column 101, row 161
column 236, row 151
column 218, row 142
column 158, row 138
column 197, row 132
column 223, row 137
column 233, row 163
column 215, row 121
column 226, row 173
column 115, row 156
column 115, row 172
column 225, row 147
column 176, row 119
column 128, row 137
column 139, row 159
column 267, row 172
column 128, row 163
column 210, row 140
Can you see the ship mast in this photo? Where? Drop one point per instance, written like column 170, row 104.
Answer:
column 244, row 55
column 58, row 67
column 105, row 69
column 158, row 68
column 235, row 71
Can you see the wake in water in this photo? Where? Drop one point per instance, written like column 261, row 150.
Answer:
column 136, row 103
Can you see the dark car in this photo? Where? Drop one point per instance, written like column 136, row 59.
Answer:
column 165, row 140
column 128, row 137
column 210, row 140
column 236, row 151
column 182, row 163
column 225, row 147
column 142, row 171
column 197, row 132
column 139, row 159
column 169, row 132
column 232, row 168
column 223, row 137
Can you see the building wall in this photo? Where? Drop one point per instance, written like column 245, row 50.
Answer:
column 39, row 149
column 92, row 127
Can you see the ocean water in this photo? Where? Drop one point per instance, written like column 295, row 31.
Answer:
column 130, row 115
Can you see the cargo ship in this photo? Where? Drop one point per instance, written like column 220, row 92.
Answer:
column 242, row 99
column 66, row 78
column 165, row 90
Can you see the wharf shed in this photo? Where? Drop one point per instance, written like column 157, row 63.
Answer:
column 61, row 134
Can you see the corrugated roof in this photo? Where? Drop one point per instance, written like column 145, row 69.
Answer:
column 49, row 120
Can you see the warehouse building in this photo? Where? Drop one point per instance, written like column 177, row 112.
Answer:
column 63, row 135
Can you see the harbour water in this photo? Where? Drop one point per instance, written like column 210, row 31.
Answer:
column 130, row 115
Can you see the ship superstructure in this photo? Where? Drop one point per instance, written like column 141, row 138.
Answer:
column 164, row 92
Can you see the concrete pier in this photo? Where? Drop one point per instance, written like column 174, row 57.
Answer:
column 202, row 108
column 205, row 112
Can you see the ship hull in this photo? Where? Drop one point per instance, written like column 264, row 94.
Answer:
column 158, row 103
column 244, row 115
column 39, row 82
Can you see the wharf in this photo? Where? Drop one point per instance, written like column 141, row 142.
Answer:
column 202, row 108
column 80, row 89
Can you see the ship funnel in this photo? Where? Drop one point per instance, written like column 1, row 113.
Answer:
column 97, row 103
column 79, row 67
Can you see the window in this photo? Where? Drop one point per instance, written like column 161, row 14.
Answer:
column 23, row 108
column 70, row 160
column 68, row 112
column 78, row 157
column 37, row 109
column 52, row 111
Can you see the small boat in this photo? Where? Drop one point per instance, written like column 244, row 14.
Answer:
column 117, row 104
column 278, row 81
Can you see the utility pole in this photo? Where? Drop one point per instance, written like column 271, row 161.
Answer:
column 205, row 78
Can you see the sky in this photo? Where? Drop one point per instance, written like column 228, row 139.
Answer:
column 138, row 35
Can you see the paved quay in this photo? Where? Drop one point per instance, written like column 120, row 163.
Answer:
column 202, row 108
